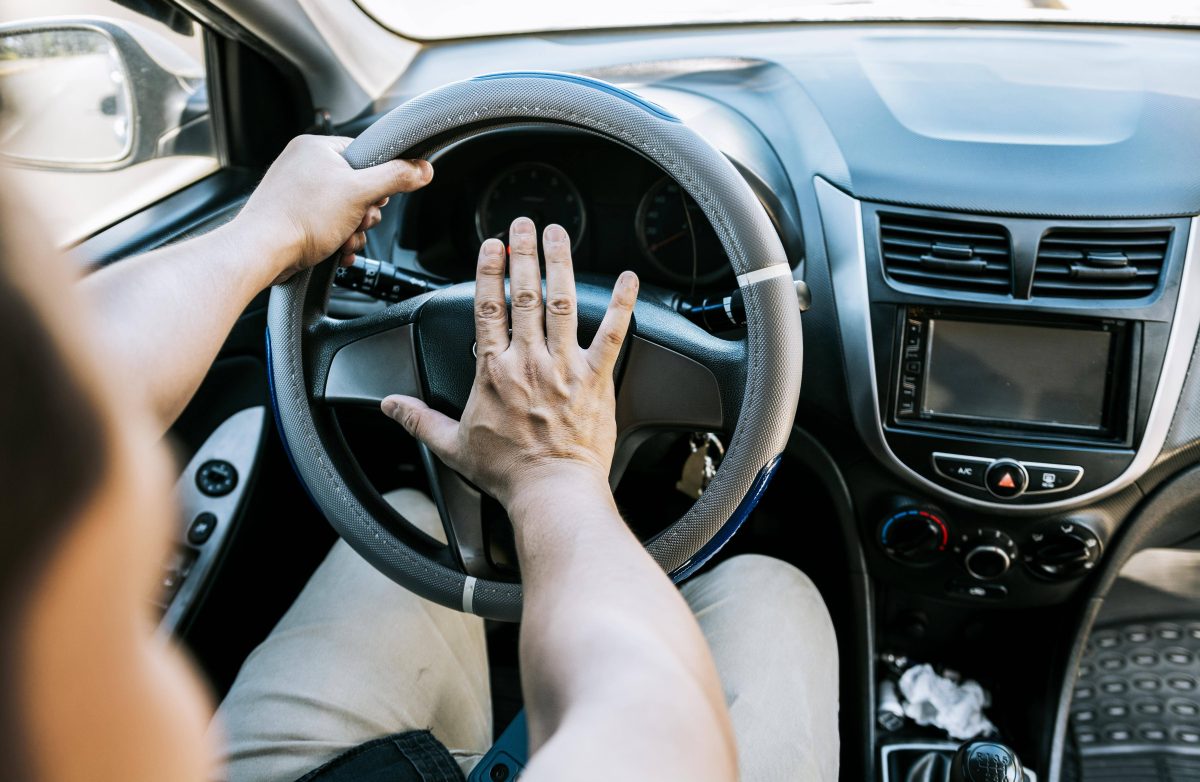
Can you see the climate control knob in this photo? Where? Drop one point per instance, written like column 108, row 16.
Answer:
column 914, row 536
column 989, row 553
column 1062, row 550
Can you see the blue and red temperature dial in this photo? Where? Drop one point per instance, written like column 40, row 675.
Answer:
column 914, row 536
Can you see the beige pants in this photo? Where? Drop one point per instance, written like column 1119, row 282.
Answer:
column 358, row 657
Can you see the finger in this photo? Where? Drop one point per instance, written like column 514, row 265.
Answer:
column 355, row 243
column 491, row 315
column 371, row 218
column 336, row 143
column 561, row 318
column 347, row 259
column 525, row 285
column 437, row 431
column 606, row 346
column 394, row 176
column 381, row 203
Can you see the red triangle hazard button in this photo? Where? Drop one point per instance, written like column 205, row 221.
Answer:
column 1005, row 478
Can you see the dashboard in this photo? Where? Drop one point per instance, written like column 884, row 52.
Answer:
column 997, row 227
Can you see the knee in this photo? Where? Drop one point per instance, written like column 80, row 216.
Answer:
column 755, row 584
column 766, row 577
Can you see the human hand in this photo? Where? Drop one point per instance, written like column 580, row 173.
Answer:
column 541, row 406
column 311, row 203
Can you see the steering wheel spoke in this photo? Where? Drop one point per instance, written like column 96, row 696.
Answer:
column 662, row 389
column 462, row 508
column 360, row 361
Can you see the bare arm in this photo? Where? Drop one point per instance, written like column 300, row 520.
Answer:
column 618, row 680
column 164, row 315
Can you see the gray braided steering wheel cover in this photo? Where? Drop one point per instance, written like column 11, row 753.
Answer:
column 774, row 343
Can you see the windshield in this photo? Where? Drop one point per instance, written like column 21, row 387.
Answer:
column 488, row 17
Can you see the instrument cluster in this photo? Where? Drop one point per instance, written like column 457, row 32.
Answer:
column 621, row 211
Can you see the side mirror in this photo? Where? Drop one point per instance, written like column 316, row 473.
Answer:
column 92, row 94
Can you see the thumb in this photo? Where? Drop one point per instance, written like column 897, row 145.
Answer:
column 437, row 431
column 394, row 176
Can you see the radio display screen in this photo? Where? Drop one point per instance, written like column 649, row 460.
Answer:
column 1006, row 372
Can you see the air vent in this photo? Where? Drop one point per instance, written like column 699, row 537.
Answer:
column 1100, row 264
column 947, row 254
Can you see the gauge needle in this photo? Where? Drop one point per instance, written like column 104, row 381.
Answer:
column 668, row 240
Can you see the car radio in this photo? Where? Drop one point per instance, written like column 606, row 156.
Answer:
column 1026, row 378
column 1012, row 407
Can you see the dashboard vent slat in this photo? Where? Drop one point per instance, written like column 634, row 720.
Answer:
column 1102, row 263
column 953, row 255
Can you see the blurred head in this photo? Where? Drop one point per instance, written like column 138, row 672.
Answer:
column 88, row 692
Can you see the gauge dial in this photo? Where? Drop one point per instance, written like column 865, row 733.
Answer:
column 676, row 236
column 534, row 190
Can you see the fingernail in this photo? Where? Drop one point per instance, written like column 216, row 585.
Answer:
column 493, row 248
column 556, row 233
column 423, row 167
column 389, row 406
column 522, row 226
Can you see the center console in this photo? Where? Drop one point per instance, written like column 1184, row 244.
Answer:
column 1012, row 409
column 1012, row 373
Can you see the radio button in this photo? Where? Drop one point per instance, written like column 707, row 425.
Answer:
column 964, row 469
column 1044, row 478
column 1006, row 479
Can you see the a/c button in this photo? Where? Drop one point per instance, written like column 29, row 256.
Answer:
column 965, row 469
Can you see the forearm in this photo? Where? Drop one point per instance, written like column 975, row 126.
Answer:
column 163, row 316
column 605, row 633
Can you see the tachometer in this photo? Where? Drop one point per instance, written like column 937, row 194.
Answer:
column 534, row 190
column 676, row 236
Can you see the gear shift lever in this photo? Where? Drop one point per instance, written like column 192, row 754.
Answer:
column 985, row 761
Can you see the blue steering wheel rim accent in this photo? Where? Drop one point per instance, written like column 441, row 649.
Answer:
column 757, row 489
column 586, row 81
column 287, row 448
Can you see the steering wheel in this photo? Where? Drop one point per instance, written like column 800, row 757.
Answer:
column 672, row 374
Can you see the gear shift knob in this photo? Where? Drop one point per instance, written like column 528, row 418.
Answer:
column 985, row 761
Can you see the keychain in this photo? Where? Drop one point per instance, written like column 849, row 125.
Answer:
column 700, row 465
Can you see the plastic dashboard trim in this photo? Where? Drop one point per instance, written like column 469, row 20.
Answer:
column 842, row 219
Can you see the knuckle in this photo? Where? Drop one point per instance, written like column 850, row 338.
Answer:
column 560, row 305
column 489, row 310
column 613, row 337
column 526, row 299
column 491, row 265
column 410, row 419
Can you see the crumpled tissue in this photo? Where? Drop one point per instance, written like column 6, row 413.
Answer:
column 957, row 708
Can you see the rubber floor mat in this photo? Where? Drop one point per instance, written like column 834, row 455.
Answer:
column 1135, row 716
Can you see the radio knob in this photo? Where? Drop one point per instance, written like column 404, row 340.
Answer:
column 990, row 553
column 914, row 536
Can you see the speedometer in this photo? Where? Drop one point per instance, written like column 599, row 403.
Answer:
column 676, row 236
column 534, row 190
